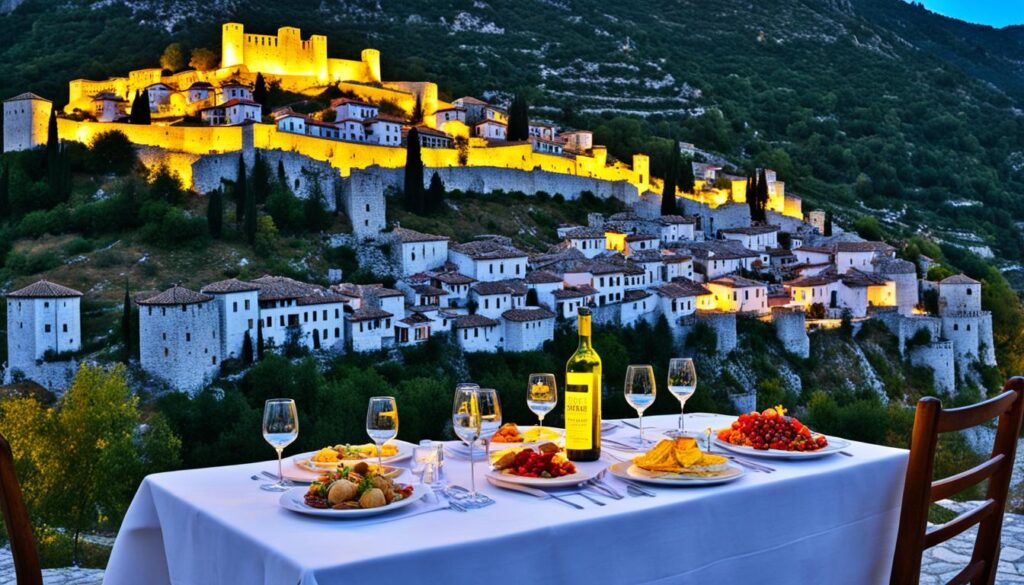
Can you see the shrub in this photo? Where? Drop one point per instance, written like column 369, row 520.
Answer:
column 112, row 152
column 26, row 263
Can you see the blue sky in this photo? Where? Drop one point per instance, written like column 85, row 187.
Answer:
column 997, row 13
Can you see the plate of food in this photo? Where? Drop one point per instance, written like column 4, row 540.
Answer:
column 351, row 492
column 315, row 468
column 331, row 457
column 513, row 434
column 544, row 465
column 773, row 434
column 678, row 462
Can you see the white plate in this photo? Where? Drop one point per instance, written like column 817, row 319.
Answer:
column 293, row 500
column 551, row 435
column 835, row 445
column 540, row 482
column 302, row 460
column 628, row 470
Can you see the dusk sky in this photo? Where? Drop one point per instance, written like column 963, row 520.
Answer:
column 997, row 13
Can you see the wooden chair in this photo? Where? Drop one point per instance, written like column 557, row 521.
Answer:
column 919, row 491
column 23, row 544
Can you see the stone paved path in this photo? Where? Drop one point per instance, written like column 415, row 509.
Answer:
column 939, row 565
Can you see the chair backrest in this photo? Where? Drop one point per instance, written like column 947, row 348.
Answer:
column 19, row 530
column 919, row 491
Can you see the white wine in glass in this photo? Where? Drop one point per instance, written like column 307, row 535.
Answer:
column 490, row 418
column 541, row 398
column 381, row 423
column 640, row 391
column 280, row 429
column 682, row 383
column 467, row 421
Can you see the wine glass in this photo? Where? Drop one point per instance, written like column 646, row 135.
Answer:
column 682, row 383
column 490, row 418
column 541, row 397
column 640, row 390
column 382, row 424
column 280, row 429
column 467, row 422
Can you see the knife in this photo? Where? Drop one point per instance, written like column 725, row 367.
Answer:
column 537, row 493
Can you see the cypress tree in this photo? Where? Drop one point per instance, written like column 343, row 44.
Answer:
column 762, row 196
column 435, row 194
column 215, row 214
column 140, row 109
column 412, row 188
column 752, row 188
column 259, row 94
column 260, row 179
column 417, row 111
column 133, row 116
column 247, row 349
column 828, row 224
column 668, row 191
column 126, row 326
column 687, row 181
column 239, row 191
column 250, row 216
column 259, row 340
column 518, row 119
column 282, row 178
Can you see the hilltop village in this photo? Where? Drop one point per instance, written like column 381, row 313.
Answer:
column 709, row 263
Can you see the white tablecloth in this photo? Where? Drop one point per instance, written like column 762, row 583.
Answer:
column 831, row 520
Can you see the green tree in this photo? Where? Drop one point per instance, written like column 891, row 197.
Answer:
column 314, row 208
column 111, row 152
column 868, row 228
column 250, row 216
column 5, row 192
column 668, row 190
column 412, row 188
column 215, row 213
column 686, row 178
column 173, row 58
column 260, row 179
column 260, row 346
column 126, row 326
column 519, row 119
column 165, row 185
column 435, row 194
column 140, row 113
column 259, row 94
column 247, row 353
column 285, row 208
column 282, row 178
column 240, row 191
column 204, row 59
column 416, row 118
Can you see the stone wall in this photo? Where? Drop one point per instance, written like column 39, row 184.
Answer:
column 301, row 172
column 905, row 327
column 723, row 324
column 179, row 346
column 939, row 357
column 54, row 376
column 790, row 329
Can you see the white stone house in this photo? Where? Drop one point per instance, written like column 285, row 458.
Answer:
column 607, row 279
column 417, row 252
column 861, row 290
column 428, row 295
column 755, row 237
column 545, row 283
column 735, row 294
column 488, row 260
column 448, row 115
column 569, row 299
column 367, row 327
column 412, row 329
column 813, row 255
column 904, row 275
column 578, row 141
column 179, row 337
column 288, row 121
column 492, row 298
column 636, row 305
column 675, row 228
column 640, row 243
column 231, row 113
column 959, row 294
column 313, row 316
column 676, row 266
column 327, row 130
column 233, row 90
column 490, row 130
column 714, row 259
column 26, row 118
column 473, row 107
column 199, row 91
column 653, row 265
column 808, row 290
column 543, row 131
column 350, row 129
column 383, row 130
column 107, row 107
column 239, row 313
column 431, row 138
column 526, row 329
column 861, row 255
column 346, row 108
column 43, row 319
column 159, row 96
column 454, row 284
column 478, row 333
column 588, row 240
column 546, row 146
column 681, row 298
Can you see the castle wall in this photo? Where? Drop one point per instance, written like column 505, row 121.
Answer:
column 791, row 330
column 723, row 324
column 187, row 139
column 938, row 356
column 362, row 196
column 56, row 377
column 962, row 329
column 180, row 343
column 987, row 345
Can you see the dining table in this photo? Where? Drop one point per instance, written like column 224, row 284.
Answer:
column 827, row 520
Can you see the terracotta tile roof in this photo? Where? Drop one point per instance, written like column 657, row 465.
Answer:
column 753, row 230
column 451, row 277
column 44, row 289
column 527, row 314
column 675, row 220
column 641, row 237
column 646, row 256
column 812, row 280
column 542, row 277
column 487, row 250
column 958, row 279
column 585, row 233
column 635, row 295
column 342, row 101
column 737, row 282
column 322, row 297
column 880, row 247
column 408, row 236
column 275, row 288
column 26, row 96
column 467, row 99
column 574, row 292
column 596, row 268
column 499, row 287
column 429, row 291
column 466, row 321
column 367, row 314
column 814, row 249
column 679, row 288
column 384, row 118
column 895, row 266
column 416, row 319
column 231, row 285
column 176, row 295
column 856, row 278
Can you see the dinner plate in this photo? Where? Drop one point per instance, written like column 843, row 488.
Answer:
column 404, row 452
column 316, row 468
column 540, row 482
column 293, row 500
column 551, row 435
column 835, row 445
column 629, row 471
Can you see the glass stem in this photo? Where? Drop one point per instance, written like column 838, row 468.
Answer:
column 640, row 415
column 487, row 451
column 380, row 459
column 540, row 426
column 280, row 472
column 472, row 472
column 682, row 419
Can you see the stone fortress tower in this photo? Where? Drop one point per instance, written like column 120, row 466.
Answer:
column 179, row 337
column 26, row 118
column 963, row 321
column 43, row 320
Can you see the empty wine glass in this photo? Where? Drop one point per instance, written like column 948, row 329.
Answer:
column 682, row 383
column 640, row 391
column 541, row 397
column 280, row 429
column 381, row 424
column 467, row 422
column 490, row 418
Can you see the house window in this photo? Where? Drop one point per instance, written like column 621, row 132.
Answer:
column 65, row 328
column 167, row 352
column 969, row 292
column 234, row 306
column 337, row 332
column 47, row 328
column 188, row 337
column 247, row 305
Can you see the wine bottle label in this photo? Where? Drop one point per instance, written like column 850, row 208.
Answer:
column 579, row 418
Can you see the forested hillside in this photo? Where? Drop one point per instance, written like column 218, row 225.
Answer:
column 873, row 102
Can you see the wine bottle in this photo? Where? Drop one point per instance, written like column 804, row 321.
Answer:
column 583, row 397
